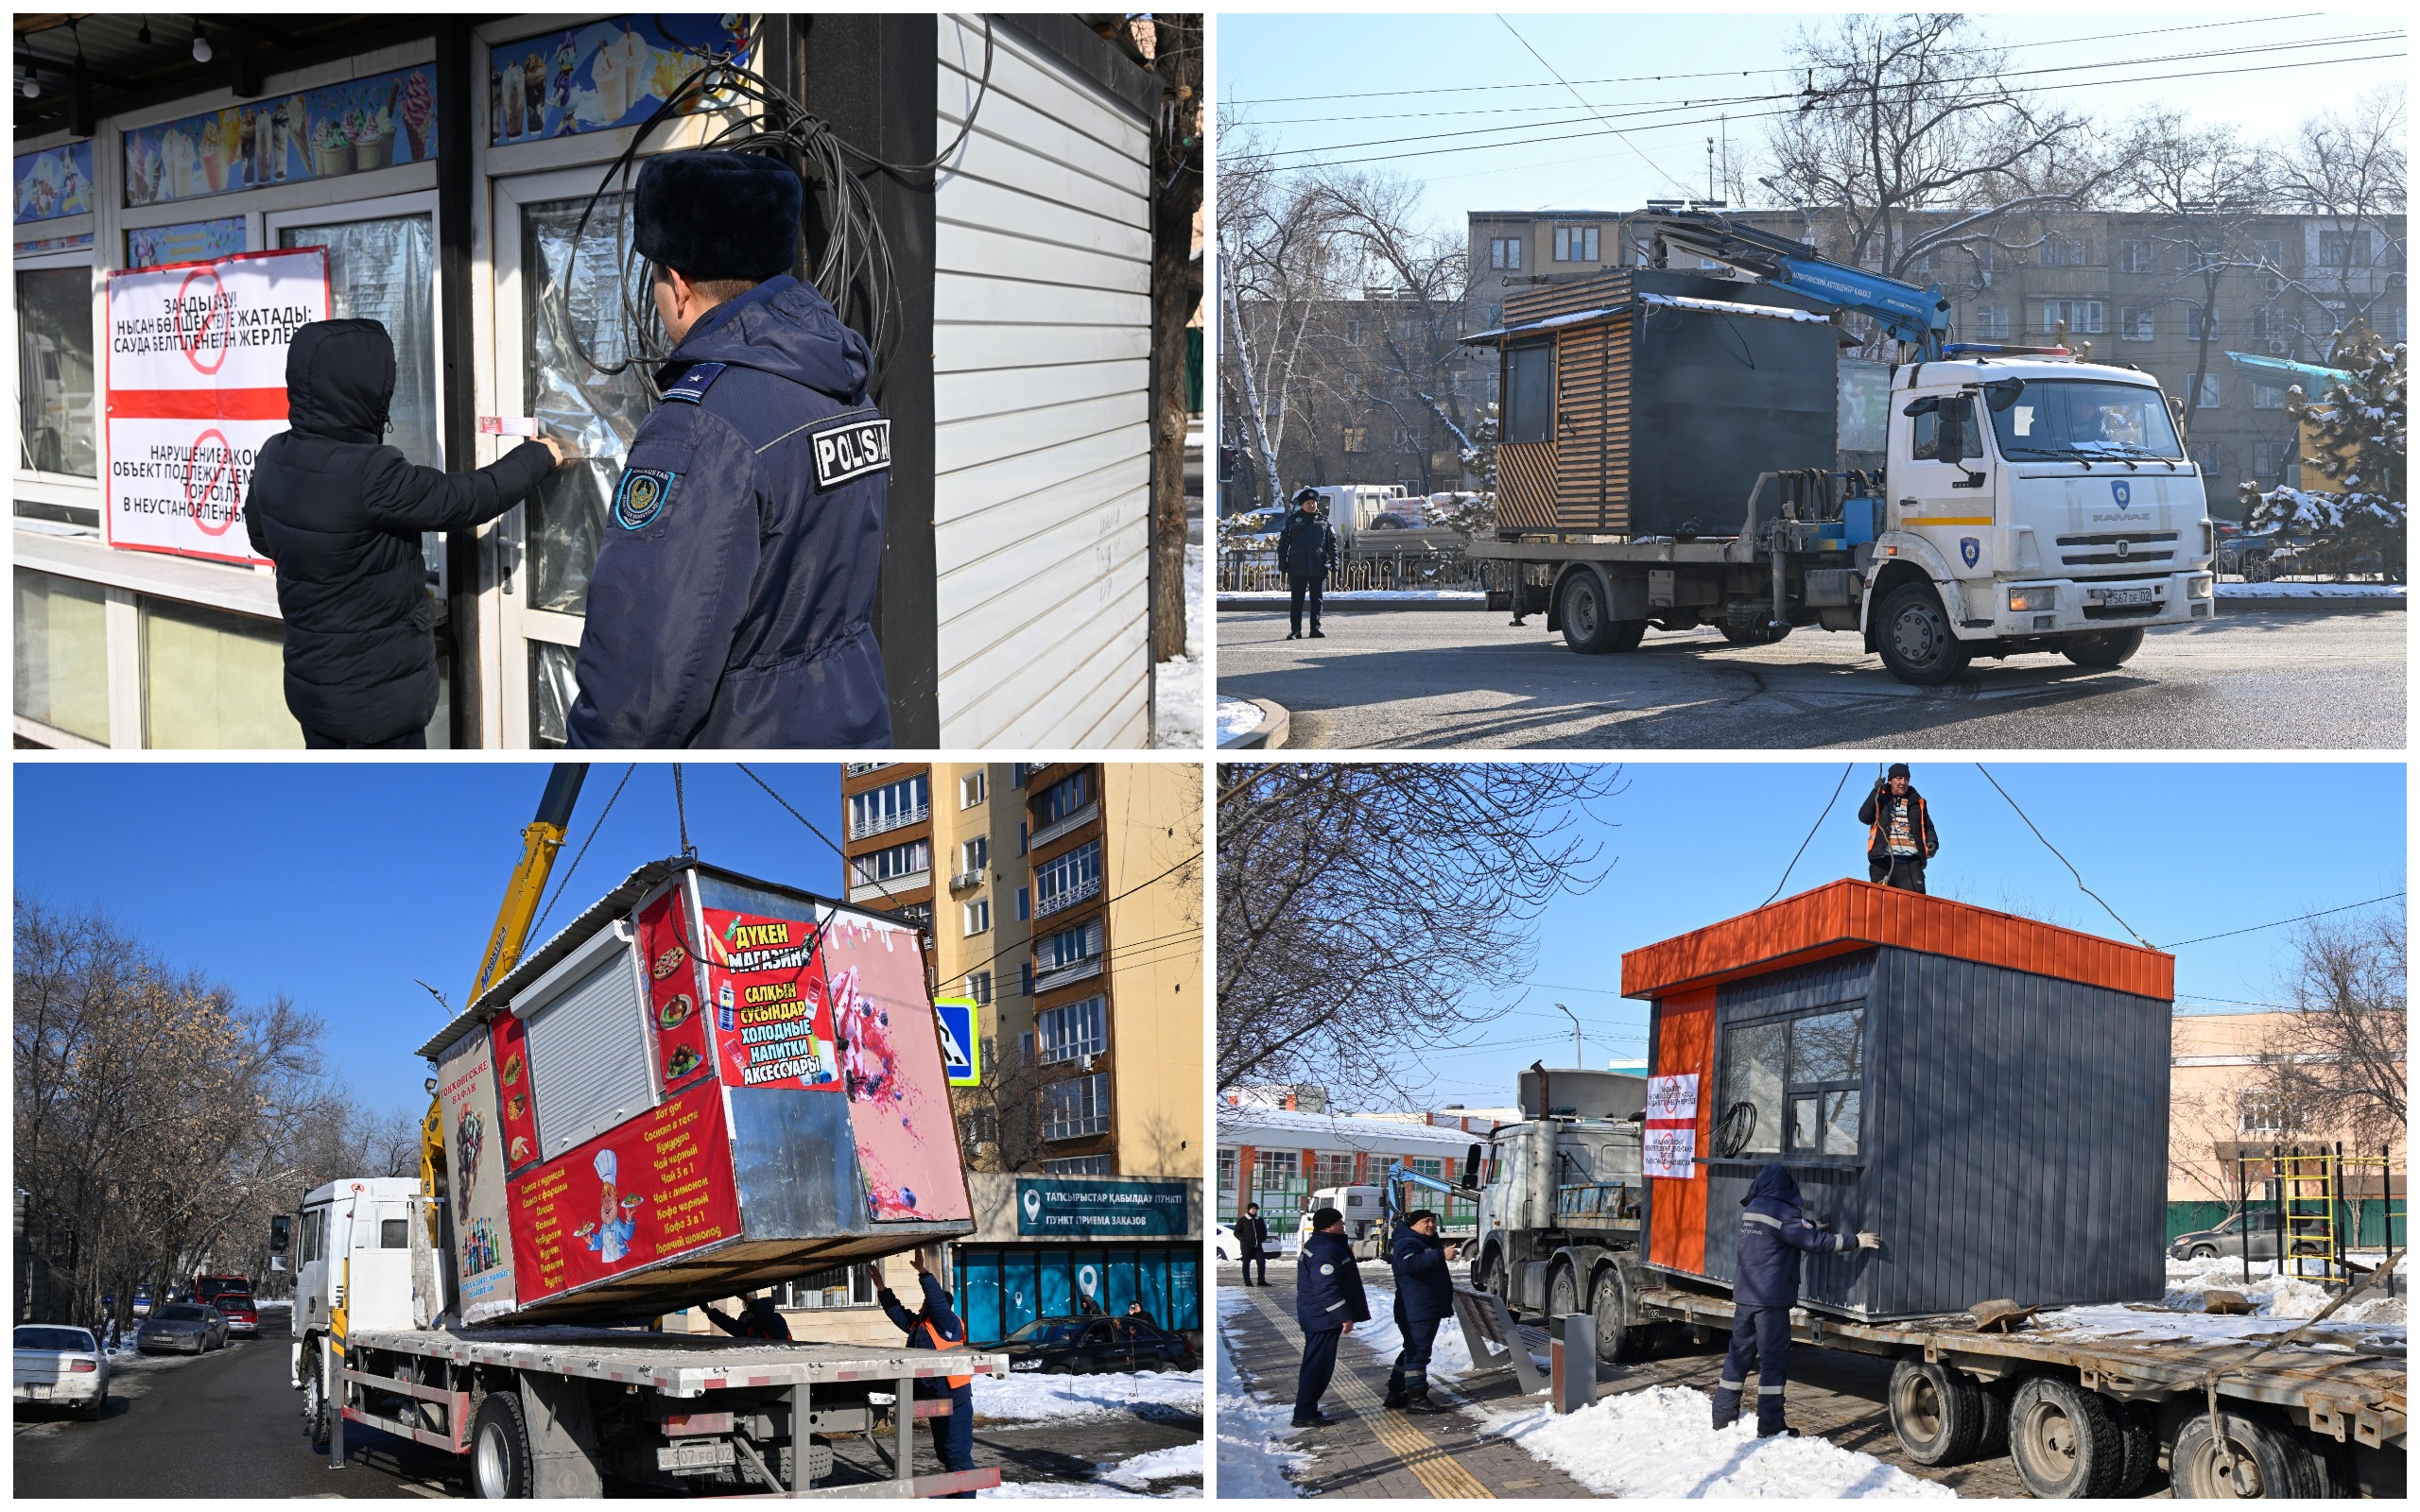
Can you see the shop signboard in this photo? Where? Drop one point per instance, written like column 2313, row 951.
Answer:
column 603, row 74
column 466, row 1099
column 355, row 126
column 772, row 1008
column 656, row 1186
column 1066, row 1209
column 54, row 182
column 195, row 383
column 194, row 241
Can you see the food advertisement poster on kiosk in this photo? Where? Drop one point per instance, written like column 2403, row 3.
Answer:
column 466, row 1099
column 602, row 74
column 320, row 133
column 518, row 1097
column 195, row 383
column 772, row 1019
column 673, row 985
column 647, row 1188
column 891, row 1066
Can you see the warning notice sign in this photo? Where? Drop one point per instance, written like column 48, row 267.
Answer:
column 195, row 383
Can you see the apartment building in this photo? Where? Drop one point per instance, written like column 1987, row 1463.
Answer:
column 2149, row 289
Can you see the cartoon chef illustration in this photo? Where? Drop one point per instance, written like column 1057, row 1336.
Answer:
column 616, row 1219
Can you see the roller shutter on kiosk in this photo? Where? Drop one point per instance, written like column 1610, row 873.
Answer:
column 588, row 1045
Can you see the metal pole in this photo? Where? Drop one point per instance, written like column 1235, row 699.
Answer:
column 903, row 1416
column 332, row 1399
column 1579, row 1047
column 800, row 1404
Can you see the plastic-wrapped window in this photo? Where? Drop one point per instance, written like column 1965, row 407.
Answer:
column 552, row 688
column 386, row 270
column 582, row 299
column 55, row 370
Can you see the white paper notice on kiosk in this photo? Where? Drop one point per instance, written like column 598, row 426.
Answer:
column 195, row 383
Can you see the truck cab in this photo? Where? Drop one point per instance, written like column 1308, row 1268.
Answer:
column 376, row 1223
column 2032, row 500
column 1363, row 1207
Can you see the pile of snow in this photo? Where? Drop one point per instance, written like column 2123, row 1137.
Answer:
column 2278, row 1304
column 1252, row 1454
column 1042, row 1490
column 1056, row 1398
column 1450, row 1359
column 1172, row 1463
column 2272, row 1295
column 1177, row 684
column 2277, row 589
column 1659, row 1442
column 1255, row 598
column 1238, row 717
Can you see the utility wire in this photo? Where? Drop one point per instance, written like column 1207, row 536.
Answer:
column 1591, row 109
column 536, row 929
column 1836, row 789
column 801, row 819
column 2063, row 860
column 1743, row 73
column 2253, row 929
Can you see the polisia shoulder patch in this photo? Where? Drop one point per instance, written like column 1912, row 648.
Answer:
column 852, row 449
column 692, row 386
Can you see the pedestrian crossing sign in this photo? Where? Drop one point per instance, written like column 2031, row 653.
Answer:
column 962, row 1050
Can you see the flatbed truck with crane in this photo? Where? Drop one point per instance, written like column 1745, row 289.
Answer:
column 564, row 1409
column 1672, row 457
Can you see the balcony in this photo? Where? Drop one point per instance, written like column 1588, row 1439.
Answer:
column 1068, row 826
column 860, row 768
column 890, row 887
column 1066, row 898
column 884, row 824
column 965, row 879
column 1059, row 976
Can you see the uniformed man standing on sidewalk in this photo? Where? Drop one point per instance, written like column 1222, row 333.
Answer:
column 1328, row 1301
column 732, row 605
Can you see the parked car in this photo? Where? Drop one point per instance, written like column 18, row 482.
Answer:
column 1083, row 1346
column 1229, row 1247
column 2262, row 1225
column 143, row 1302
column 206, row 1288
column 242, row 1316
column 62, row 1366
column 192, row 1327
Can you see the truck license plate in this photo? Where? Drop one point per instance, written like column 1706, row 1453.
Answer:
column 2125, row 595
column 695, row 1455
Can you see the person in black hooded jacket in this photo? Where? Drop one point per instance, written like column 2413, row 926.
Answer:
column 341, row 513
column 1774, row 1232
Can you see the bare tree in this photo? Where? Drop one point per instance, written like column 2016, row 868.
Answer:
column 1176, row 294
column 2207, row 187
column 2349, row 168
column 1366, row 912
column 1278, row 265
column 1417, row 366
column 2337, row 1061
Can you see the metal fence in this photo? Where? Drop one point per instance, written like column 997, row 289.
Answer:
column 1256, row 572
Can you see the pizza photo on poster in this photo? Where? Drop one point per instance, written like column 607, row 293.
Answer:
column 675, row 991
column 890, row 1067
column 773, row 1015
column 515, row 1095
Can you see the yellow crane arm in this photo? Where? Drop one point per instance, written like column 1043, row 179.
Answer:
column 540, row 841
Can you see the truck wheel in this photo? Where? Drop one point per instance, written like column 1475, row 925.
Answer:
column 2064, row 1440
column 1489, row 1274
column 315, row 1403
column 1916, row 640
column 2138, row 1432
column 500, row 1447
column 2104, row 648
column 2267, row 1463
column 1618, row 1337
column 1562, row 1296
column 1937, row 1410
column 1588, row 625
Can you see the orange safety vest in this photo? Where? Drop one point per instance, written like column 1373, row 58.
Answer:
column 935, row 1342
column 1915, row 826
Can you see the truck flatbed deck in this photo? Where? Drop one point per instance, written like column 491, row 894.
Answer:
column 679, row 1365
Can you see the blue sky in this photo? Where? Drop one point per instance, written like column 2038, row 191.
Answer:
column 1299, row 77
column 2180, row 850
column 337, row 884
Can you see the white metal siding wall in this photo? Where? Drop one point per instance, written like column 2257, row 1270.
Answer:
column 1041, row 347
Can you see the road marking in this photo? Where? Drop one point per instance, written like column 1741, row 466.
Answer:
column 1444, row 1475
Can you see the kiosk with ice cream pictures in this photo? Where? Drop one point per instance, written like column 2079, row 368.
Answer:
column 447, row 165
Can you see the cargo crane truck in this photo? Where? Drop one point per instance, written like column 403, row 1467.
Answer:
column 1676, row 446
column 391, row 1331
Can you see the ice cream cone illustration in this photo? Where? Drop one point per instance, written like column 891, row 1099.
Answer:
column 415, row 113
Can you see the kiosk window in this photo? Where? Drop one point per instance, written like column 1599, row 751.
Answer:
column 1812, row 1066
column 55, row 370
column 1528, row 393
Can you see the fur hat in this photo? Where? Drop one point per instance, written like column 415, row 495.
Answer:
column 719, row 214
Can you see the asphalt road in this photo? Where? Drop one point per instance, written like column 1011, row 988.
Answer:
column 1446, row 679
column 226, row 1424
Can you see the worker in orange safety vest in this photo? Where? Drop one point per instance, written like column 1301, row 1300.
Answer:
column 936, row 1326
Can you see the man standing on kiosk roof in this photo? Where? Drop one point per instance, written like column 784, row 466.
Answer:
column 1899, row 837
column 733, row 602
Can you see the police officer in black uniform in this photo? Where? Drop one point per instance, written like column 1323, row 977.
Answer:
column 732, row 604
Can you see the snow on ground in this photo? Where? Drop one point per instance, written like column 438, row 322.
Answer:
column 1173, row 1463
column 1058, row 1398
column 1659, row 1442
column 1177, row 684
column 1043, row 1490
column 2276, row 589
column 1450, row 1358
column 1252, row 1454
column 2279, row 1304
column 1238, row 717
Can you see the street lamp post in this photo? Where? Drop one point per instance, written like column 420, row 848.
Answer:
column 1579, row 1047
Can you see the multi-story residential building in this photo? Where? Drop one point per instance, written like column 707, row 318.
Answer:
column 2170, row 294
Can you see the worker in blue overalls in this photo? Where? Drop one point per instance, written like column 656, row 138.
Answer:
column 936, row 1326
